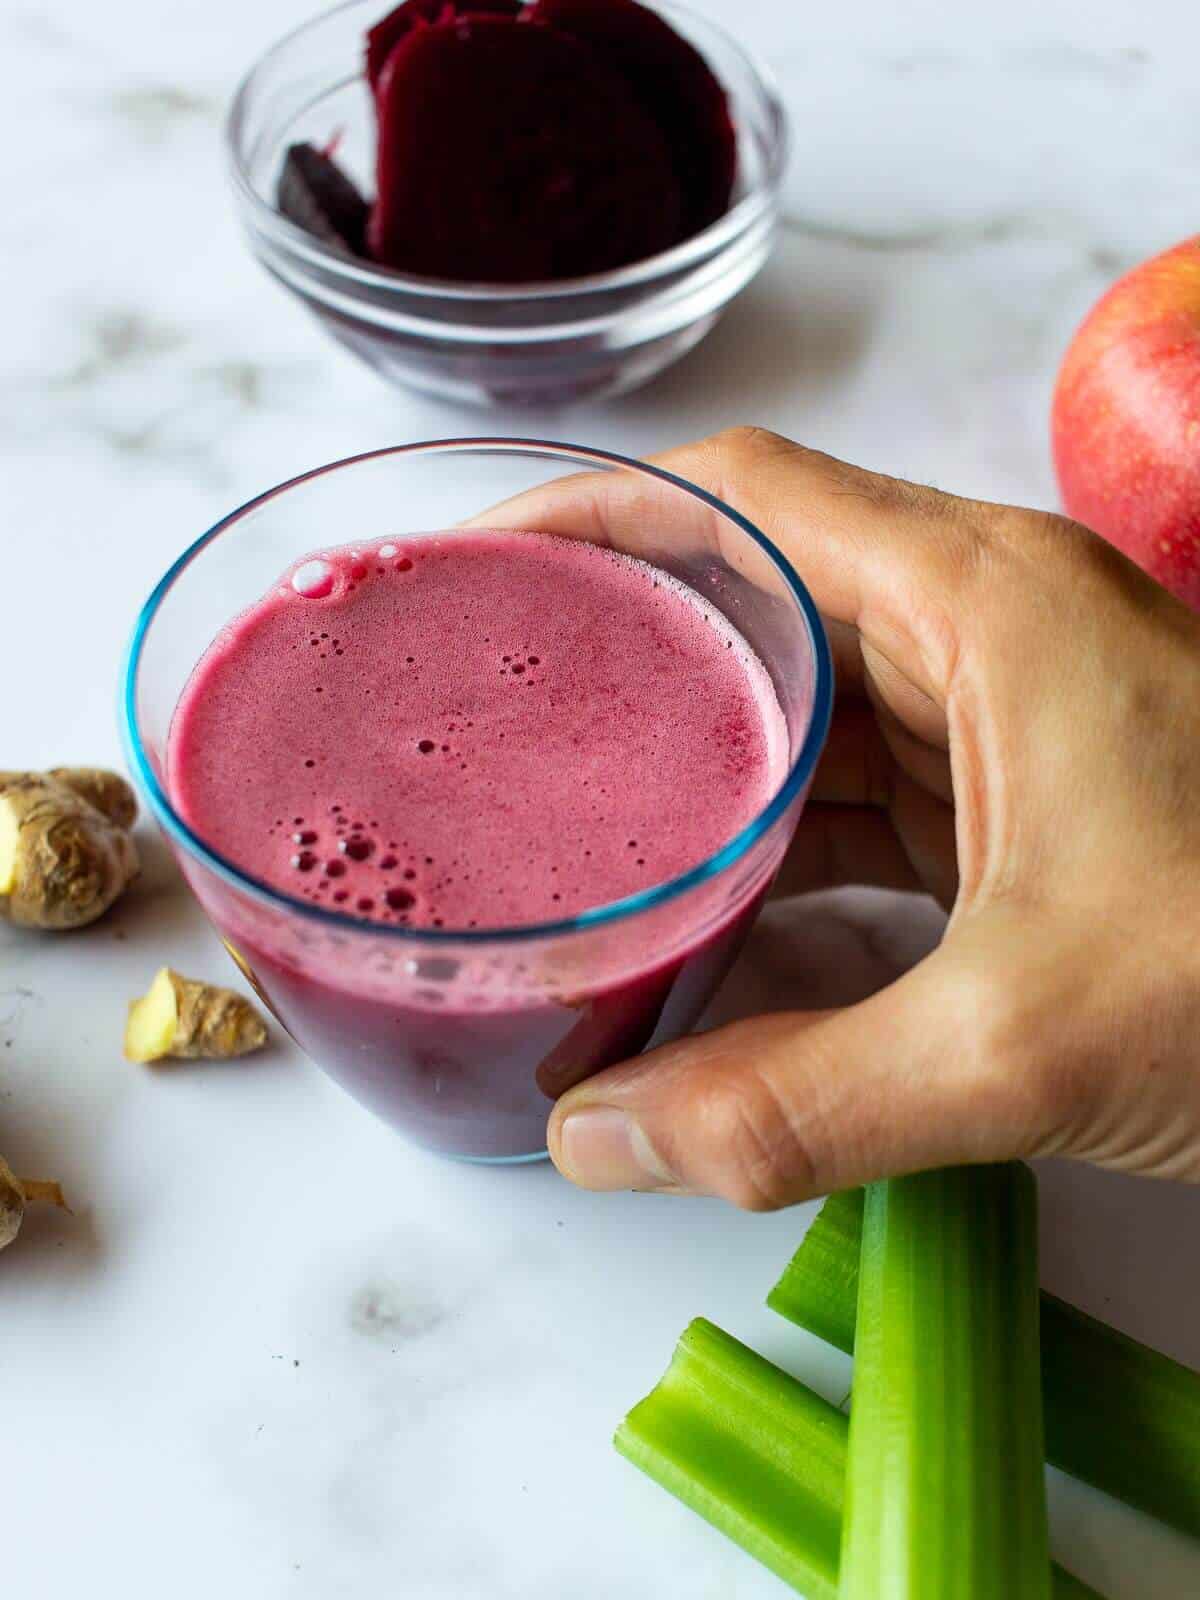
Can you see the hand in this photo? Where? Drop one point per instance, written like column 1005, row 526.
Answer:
column 1017, row 731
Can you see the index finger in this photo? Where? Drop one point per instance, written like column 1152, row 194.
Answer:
column 874, row 551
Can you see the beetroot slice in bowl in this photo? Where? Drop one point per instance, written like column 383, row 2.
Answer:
column 672, row 82
column 387, row 33
column 513, row 154
column 316, row 194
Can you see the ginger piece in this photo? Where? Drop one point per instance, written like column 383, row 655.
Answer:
column 107, row 791
column 15, row 1195
column 187, row 1020
column 65, row 852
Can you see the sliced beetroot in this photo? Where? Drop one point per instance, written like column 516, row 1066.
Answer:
column 510, row 154
column 316, row 194
column 385, row 35
column 672, row 82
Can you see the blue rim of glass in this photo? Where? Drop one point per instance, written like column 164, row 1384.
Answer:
column 800, row 772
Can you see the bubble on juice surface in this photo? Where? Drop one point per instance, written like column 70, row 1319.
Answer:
column 387, row 551
column 313, row 580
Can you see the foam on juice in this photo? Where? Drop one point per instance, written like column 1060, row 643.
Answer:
column 475, row 730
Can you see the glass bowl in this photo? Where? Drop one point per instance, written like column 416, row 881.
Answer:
column 463, row 1038
column 532, row 344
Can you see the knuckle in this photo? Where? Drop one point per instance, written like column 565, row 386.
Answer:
column 1052, row 543
column 737, row 455
column 977, row 552
column 760, row 1159
column 1066, row 531
column 970, row 552
column 747, row 442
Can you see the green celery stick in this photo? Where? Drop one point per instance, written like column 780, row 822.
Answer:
column 1118, row 1415
column 1121, row 1416
column 945, row 1474
column 759, row 1456
column 819, row 1287
column 754, row 1452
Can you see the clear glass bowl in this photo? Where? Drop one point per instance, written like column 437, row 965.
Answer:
column 462, row 1039
column 494, row 344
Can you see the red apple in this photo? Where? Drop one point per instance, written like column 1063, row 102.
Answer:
column 1126, row 419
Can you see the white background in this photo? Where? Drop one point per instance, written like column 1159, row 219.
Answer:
column 275, row 1352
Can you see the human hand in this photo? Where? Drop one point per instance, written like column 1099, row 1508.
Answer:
column 1017, row 730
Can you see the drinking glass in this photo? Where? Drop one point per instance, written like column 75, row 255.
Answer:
column 462, row 1039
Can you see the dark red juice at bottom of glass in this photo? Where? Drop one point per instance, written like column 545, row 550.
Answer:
column 467, row 732
column 480, row 1084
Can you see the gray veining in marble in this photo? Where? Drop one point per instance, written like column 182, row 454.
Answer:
column 274, row 1352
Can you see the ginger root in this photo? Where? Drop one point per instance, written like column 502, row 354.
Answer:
column 107, row 791
column 189, row 1021
column 15, row 1195
column 65, row 850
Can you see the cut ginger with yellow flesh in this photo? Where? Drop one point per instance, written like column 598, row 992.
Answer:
column 183, row 1019
column 66, row 852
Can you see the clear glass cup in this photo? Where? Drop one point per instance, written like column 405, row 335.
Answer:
column 462, row 1039
column 535, row 344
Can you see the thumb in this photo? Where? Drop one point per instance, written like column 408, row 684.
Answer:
column 772, row 1111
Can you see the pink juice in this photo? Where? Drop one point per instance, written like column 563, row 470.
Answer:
column 468, row 732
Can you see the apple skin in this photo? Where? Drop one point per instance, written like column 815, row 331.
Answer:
column 1126, row 419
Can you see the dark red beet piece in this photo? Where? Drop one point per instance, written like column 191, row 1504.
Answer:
column 385, row 35
column 316, row 194
column 673, row 84
column 513, row 153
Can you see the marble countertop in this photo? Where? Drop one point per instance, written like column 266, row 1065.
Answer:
column 275, row 1352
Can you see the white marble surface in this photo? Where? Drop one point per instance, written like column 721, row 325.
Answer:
column 275, row 1352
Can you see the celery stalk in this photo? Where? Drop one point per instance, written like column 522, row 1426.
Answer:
column 1121, row 1416
column 759, row 1456
column 819, row 1287
column 754, row 1452
column 945, row 1478
column 1118, row 1415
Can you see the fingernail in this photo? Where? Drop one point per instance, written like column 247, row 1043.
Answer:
column 603, row 1148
